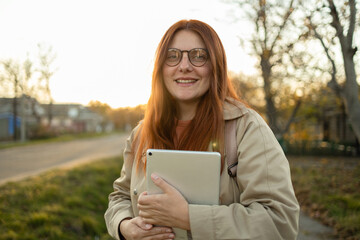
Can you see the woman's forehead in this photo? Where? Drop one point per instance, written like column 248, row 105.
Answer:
column 186, row 40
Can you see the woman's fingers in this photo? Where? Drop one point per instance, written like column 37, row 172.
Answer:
column 137, row 228
column 161, row 183
column 160, row 233
column 169, row 208
column 142, row 224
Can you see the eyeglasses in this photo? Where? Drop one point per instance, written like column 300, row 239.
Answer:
column 197, row 56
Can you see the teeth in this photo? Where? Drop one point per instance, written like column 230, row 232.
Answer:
column 185, row 81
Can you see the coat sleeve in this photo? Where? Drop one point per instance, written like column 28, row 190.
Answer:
column 120, row 206
column 268, row 208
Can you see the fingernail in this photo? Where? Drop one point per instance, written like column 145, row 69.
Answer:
column 154, row 176
column 148, row 226
column 171, row 235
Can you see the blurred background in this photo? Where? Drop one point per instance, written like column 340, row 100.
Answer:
column 84, row 67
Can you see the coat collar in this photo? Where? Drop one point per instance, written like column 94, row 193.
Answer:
column 234, row 109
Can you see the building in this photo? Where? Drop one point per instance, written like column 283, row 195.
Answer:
column 7, row 126
column 35, row 120
column 337, row 129
column 71, row 118
column 27, row 108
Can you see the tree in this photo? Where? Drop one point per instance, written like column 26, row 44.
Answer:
column 32, row 90
column 28, row 71
column 249, row 89
column 272, row 42
column 102, row 109
column 128, row 117
column 46, row 59
column 334, row 29
column 18, row 79
column 13, row 74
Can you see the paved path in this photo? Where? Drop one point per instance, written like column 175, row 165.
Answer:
column 310, row 229
column 19, row 162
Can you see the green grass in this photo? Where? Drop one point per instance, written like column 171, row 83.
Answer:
column 70, row 204
column 330, row 192
column 59, row 204
column 61, row 138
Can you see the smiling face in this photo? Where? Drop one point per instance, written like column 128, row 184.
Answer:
column 185, row 82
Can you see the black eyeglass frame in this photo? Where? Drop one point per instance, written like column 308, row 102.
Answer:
column 188, row 51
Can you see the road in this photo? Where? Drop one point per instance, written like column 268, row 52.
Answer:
column 20, row 162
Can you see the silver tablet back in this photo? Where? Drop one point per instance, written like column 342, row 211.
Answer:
column 195, row 174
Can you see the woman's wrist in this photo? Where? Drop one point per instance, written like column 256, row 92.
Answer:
column 119, row 228
column 186, row 220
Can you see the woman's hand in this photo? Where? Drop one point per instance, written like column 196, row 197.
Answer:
column 136, row 228
column 167, row 209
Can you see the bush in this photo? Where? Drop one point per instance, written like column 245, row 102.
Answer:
column 318, row 148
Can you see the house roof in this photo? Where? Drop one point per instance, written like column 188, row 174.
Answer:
column 75, row 111
column 7, row 105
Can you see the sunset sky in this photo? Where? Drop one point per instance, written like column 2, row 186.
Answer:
column 105, row 48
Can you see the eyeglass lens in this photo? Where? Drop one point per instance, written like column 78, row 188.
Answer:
column 197, row 56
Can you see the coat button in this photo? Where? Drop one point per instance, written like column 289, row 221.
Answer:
column 135, row 192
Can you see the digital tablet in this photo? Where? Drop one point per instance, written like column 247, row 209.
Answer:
column 195, row 174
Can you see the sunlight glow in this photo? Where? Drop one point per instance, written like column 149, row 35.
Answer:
column 105, row 49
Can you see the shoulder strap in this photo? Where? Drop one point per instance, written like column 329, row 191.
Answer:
column 230, row 146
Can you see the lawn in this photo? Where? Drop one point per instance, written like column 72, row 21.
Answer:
column 60, row 138
column 329, row 189
column 60, row 204
column 70, row 204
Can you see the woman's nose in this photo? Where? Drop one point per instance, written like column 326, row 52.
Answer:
column 185, row 64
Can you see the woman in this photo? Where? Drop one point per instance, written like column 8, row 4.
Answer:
column 190, row 101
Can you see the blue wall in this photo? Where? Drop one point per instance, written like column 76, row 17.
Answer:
column 10, row 118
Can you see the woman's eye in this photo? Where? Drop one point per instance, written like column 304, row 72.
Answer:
column 199, row 55
column 172, row 55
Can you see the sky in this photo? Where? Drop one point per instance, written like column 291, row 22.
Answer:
column 105, row 48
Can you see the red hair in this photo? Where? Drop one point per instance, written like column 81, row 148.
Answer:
column 207, row 127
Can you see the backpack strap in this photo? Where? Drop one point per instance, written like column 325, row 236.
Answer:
column 230, row 147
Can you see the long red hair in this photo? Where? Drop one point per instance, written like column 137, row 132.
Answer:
column 207, row 127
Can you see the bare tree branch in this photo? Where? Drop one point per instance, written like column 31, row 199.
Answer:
column 282, row 27
column 333, row 84
column 352, row 22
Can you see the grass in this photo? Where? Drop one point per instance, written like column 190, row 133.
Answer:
column 330, row 192
column 59, row 204
column 70, row 204
column 61, row 138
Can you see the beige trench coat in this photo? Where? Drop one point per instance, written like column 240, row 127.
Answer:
column 258, row 204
